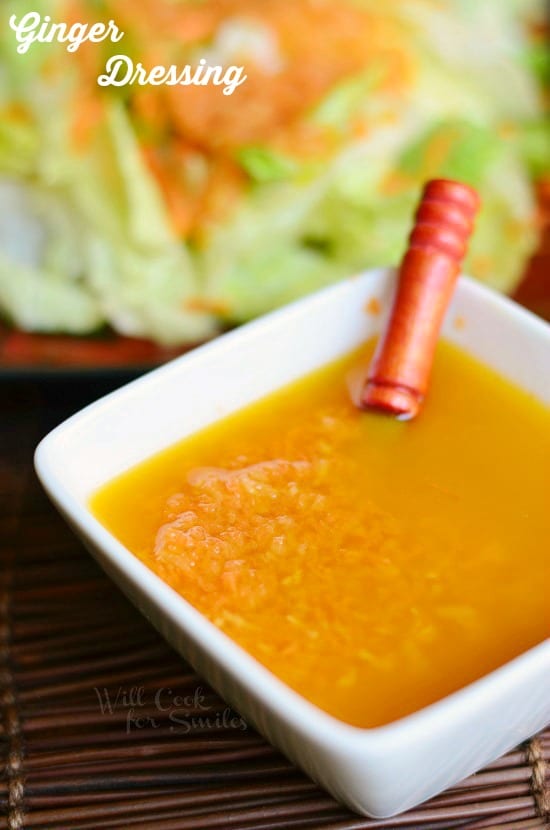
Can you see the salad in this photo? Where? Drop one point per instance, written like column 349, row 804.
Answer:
column 169, row 211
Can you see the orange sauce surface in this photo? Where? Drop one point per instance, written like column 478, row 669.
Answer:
column 373, row 565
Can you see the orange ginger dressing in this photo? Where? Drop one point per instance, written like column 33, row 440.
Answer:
column 373, row 565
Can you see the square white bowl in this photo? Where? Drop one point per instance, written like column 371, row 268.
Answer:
column 381, row 771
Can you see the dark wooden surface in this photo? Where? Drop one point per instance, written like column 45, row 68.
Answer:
column 91, row 733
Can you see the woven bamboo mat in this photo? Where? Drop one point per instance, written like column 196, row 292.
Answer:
column 103, row 725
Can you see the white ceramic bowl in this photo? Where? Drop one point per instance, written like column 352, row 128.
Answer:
column 379, row 771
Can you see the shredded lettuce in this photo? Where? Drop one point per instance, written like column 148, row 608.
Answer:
column 41, row 272
column 358, row 215
column 133, row 272
column 85, row 233
column 472, row 114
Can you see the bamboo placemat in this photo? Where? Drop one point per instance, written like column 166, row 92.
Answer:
column 93, row 733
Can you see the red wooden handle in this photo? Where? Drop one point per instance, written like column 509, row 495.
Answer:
column 400, row 370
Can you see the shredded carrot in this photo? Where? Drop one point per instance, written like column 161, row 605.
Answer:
column 318, row 44
column 438, row 150
column 178, row 202
column 184, row 23
column 88, row 113
column 194, row 205
column 373, row 306
column 224, row 186
column 207, row 305
column 15, row 111
column 481, row 265
column 395, row 182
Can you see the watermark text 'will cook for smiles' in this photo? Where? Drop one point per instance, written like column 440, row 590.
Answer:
column 180, row 713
